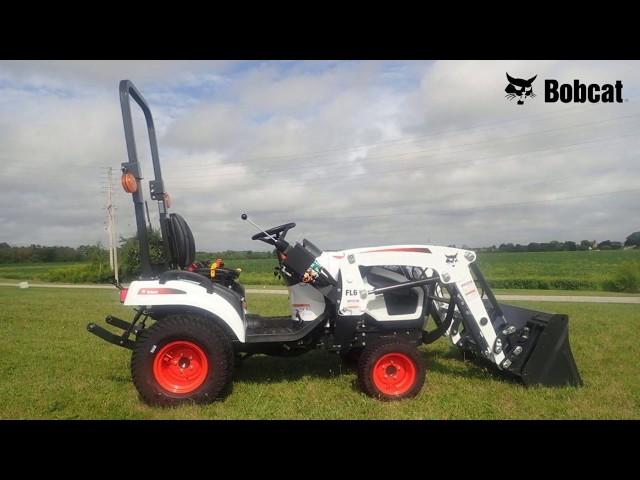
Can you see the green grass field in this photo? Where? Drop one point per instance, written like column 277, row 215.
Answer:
column 581, row 270
column 52, row 368
column 258, row 271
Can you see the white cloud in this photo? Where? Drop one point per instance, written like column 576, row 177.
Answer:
column 355, row 152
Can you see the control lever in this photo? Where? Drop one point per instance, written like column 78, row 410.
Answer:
column 245, row 217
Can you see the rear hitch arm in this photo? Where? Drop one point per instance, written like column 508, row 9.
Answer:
column 119, row 340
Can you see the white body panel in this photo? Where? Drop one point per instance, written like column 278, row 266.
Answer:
column 305, row 301
column 151, row 292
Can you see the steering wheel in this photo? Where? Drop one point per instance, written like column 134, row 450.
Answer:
column 276, row 232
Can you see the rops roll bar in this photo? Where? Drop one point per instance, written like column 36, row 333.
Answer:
column 156, row 186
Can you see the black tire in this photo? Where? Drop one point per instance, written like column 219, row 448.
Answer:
column 198, row 331
column 410, row 384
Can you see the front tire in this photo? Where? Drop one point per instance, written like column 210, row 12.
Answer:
column 182, row 359
column 391, row 370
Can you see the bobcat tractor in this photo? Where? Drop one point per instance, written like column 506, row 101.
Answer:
column 374, row 306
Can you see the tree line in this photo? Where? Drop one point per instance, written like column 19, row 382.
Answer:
column 555, row 246
column 40, row 253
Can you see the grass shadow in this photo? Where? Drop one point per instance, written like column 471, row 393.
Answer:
column 472, row 366
column 322, row 364
column 270, row 369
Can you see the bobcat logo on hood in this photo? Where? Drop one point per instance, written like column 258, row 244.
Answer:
column 520, row 88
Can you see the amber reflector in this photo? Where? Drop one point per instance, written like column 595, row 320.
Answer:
column 129, row 182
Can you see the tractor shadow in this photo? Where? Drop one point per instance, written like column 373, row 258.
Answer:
column 323, row 364
column 465, row 366
column 270, row 369
column 462, row 367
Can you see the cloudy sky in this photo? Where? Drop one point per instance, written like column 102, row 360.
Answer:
column 356, row 153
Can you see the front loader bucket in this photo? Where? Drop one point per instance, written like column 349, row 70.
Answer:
column 546, row 358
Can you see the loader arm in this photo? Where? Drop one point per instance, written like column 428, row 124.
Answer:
column 528, row 344
column 535, row 344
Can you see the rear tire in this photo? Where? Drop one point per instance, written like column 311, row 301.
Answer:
column 391, row 370
column 182, row 359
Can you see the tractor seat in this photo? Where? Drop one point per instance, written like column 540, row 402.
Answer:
column 181, row 243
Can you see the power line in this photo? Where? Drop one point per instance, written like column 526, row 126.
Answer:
column 408, row 138
column 455, row 195
column 376, row 173
column 370, row 159
column 342, row 163
column 483, row 207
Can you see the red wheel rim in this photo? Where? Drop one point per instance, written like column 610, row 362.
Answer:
column 394, row 374
column 180, row 367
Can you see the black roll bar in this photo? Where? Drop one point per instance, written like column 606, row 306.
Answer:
column 156, row 186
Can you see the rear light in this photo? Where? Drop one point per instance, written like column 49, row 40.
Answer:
column 129, row 182
column 123, row 294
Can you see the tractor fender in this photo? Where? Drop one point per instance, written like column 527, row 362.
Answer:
column 175, row 294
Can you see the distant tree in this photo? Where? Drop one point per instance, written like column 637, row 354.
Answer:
column 130, row 254
column 533, row 247
column 44, row 254
column 609, row 245
column 633, row 240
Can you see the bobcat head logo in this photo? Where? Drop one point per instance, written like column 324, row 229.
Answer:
column 520, row 88
column 452, row 258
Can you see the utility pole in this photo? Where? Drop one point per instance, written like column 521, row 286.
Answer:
column 111, row 225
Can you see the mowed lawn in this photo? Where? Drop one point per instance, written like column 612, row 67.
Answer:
column 52, row 368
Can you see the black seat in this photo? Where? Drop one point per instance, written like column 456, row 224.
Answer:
column 181, row 243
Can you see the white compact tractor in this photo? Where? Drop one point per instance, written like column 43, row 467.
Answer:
column 374, row 305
